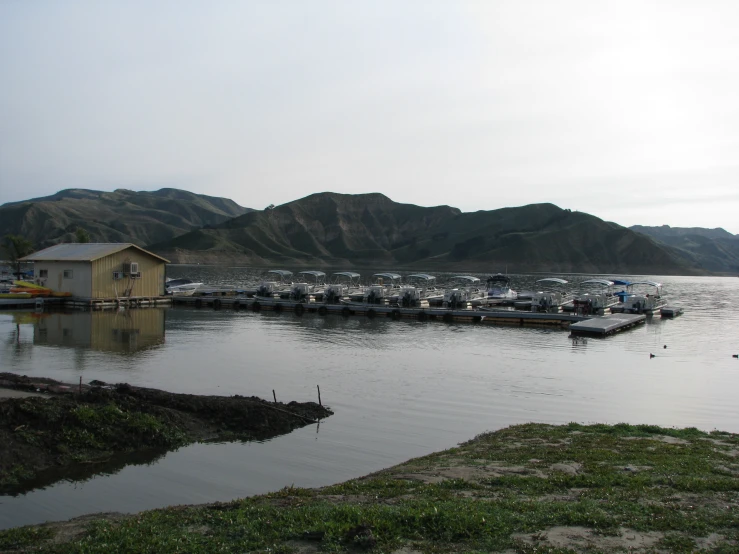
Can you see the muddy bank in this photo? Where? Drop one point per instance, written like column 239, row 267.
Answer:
column 529, row 488
column 72, row 425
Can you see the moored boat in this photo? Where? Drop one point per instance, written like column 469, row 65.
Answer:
column 551, row 295
column 499, row 289
column 645, row 298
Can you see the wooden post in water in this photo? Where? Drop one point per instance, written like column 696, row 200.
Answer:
column 274, row 395
column 319, row 396
column 80, row 384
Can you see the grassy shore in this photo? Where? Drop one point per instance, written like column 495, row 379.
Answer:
column 529, row 488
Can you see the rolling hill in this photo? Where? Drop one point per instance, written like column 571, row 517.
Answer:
column 715, row 250
column 370, row 230
column 120, row 216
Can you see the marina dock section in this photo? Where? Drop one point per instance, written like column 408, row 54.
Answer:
column 607, row 324
column 590, row 325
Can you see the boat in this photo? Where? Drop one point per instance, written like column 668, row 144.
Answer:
column 314, row 285
column 551, row 297
column 385, row 287
column 595, row 296
column 343, row 285
column 640, row 301
column 278, row 287
column 419, row 292
column 499, row 289
column 181, row 287
column 465, row 293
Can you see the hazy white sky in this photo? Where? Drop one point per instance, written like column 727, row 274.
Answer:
column 626, row 110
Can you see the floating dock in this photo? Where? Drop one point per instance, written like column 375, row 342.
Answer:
column 607, row 324
column 578, row 324
column 670, row 311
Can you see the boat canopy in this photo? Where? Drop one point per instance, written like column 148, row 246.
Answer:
column 622, row 283
column 281, row 272
column 648, row 283
column 604, row 282
column 316, row 274
column 424, row 276
column 349, row 274
column 553, row 280
column 392, row 276
column 468, row 278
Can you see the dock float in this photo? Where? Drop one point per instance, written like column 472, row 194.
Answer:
column 670, row 311
column 488, row 316
column 607, row 324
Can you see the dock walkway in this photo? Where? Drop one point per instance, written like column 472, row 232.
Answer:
column 602, row 326
column 607, row 324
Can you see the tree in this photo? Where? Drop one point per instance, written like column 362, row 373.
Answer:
column 16, row 248
column 81, row 235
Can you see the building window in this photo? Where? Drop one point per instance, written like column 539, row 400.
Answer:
column 43, row 273
column 68, row 274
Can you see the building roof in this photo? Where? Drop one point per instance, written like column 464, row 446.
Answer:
column 83, row 252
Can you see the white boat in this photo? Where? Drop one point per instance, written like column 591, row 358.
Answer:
column 343, row 285
column 419, row 292
column 644, row 297
column 313, row 285
column 551, row 295
column 595, row 296
column 499, row 289
column 277, row 287
column 465, row 293
column 181, row 287
column 385, row 288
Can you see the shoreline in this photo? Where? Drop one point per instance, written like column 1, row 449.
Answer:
column 50, row 430
column 526, row 488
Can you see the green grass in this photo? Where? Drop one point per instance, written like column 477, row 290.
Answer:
column 507, row 497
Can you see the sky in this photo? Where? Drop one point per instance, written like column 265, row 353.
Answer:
column 627, row 110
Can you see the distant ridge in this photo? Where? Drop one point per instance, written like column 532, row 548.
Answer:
column 371, row 230
column 715, row 250
column 120, row 216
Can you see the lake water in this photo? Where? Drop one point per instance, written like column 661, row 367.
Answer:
column 399, row 389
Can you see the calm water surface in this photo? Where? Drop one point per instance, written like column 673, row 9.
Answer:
column 399, row 389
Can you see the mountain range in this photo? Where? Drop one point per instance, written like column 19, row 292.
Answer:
column 368, row 230
column 121, row 216
column 714, row 250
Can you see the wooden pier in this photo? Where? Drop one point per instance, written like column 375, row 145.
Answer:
column 607, row 324
column 71, row 302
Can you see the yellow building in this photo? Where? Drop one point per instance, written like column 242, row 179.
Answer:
column 100, row 270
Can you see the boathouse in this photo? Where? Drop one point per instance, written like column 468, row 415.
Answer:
column 99, row 270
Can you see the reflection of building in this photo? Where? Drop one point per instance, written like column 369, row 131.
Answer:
column 116, row 331
column 99, row 270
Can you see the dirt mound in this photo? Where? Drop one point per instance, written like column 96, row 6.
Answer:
column 79, row 424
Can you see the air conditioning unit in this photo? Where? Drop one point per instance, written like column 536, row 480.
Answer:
column 130, row 267
column 117, row 275
column 135, row 275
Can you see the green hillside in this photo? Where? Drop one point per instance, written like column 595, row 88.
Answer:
column 330, row 229
column 121, row 216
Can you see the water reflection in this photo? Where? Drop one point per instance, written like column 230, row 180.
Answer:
column 120, row 332
column 399, row 389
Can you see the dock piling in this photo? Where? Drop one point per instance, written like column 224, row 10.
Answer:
column 274, row 395
column 319, row 395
